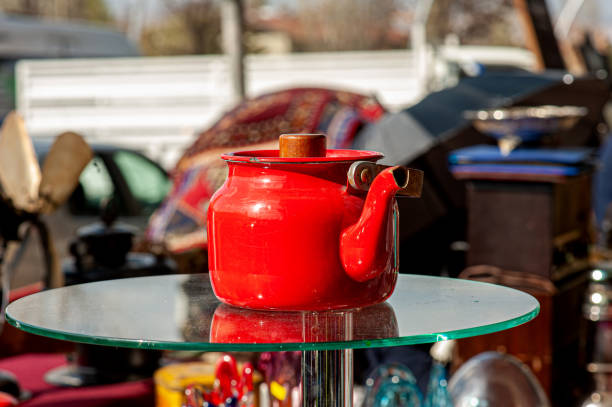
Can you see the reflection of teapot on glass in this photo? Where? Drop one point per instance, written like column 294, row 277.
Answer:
column 205, row 320
column 305, row 228
column 238, row 325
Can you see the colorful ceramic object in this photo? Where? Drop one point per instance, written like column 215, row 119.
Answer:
column 306, row 233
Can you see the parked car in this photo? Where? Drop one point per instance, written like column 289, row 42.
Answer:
column 137, row 183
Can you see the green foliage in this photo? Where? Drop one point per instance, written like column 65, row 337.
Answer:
column 340, row 25
column 95, row 10
column 190, row 27
column 475, row 22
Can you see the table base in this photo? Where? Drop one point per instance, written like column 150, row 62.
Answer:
column 327, row 378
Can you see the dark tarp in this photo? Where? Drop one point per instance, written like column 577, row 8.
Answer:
column 422, row 135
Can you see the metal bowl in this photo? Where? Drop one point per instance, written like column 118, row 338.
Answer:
column 528, row 123
column 496, row 380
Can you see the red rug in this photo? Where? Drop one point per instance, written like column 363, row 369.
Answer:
column 180, row 223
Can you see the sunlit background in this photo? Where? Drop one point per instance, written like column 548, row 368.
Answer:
column 172, row 27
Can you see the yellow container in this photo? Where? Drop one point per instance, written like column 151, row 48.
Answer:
column 171, row 381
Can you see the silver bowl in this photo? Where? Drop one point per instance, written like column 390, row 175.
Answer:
column 528, row 123
column 492, row 379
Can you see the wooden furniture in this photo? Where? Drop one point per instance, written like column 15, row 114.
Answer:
column 530, row 231
column 552, row 345
column 540, row 35
column 530, row 223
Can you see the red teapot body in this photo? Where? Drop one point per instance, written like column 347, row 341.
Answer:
column 294, row 234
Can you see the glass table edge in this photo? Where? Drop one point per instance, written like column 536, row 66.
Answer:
column 276, row 347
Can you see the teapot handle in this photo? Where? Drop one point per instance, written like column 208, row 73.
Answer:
column 362, row 173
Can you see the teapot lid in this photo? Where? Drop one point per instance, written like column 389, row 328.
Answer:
column 302, row 149
column 272, row 157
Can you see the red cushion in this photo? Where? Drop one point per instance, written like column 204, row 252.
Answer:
column 17, row 293
column 6, row 400
column 31, row 368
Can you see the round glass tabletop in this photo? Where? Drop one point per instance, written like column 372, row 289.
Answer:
column 181, row 312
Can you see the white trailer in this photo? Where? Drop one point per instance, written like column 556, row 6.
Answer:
column 158, row 104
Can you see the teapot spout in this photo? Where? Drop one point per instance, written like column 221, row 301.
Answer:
column 366, row 247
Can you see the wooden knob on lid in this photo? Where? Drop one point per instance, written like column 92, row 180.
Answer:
column 302, row 145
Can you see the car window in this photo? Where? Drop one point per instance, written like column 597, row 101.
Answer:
column 148, row 183
column 94, row 189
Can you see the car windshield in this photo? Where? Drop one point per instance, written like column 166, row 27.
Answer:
column 147, row 182
column 96, row 183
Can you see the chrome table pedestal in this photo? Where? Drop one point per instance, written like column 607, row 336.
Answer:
column 327, row 378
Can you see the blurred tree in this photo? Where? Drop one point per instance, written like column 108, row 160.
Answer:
column 477, row 22
column 87, row 10
column 191, row 27
column 325, row 25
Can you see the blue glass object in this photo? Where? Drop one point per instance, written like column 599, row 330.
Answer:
column 393, row 385
column 437, row 391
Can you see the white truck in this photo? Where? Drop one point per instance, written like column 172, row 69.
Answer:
column 158, row 104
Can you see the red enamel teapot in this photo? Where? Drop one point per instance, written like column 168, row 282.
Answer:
column 305, row 228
